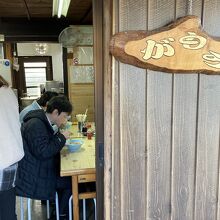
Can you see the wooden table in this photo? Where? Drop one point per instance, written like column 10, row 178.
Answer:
column 79, row 165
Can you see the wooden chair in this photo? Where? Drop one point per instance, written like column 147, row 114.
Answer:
column 83, row 196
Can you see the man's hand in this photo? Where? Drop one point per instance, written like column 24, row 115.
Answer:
column 66, row 133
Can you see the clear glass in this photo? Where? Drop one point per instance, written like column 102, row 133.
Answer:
column 83, row 55
column 34, row 64
column 81, row 74
column 35, row 77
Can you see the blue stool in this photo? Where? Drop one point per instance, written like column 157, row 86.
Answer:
column 29, row 208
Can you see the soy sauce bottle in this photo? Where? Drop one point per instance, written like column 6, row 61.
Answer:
column 84, row 129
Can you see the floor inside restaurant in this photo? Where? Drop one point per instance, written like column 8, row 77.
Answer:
column 39, row 211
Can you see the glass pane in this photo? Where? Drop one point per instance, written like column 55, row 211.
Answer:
column 39, row 64
column 81, row 74
column 83, row 55
column 35, row 71
column 76, row 35
column 34, row 78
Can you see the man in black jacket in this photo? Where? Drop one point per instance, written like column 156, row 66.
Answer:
column 38, row 172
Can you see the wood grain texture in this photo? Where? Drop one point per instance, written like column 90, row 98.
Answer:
column 196, row 8
column 179, row 169
column 159, row 109
column 132, row 88
column 87, row 195
column 207, row 167
column 100, row 60
column 82, row 97
column 180, row 8
column 207, row 172
column 184, row 132
column 114, row 82
column 184, row 145
column 160, row 13
column 79, row 11
column 86, row 178
column 211, row 17
column 81, row 161
column 184, row 8
column 132, row 147
column 75, row 198
column 159, row 97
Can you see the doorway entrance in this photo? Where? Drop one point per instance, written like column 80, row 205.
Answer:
column 33, row 72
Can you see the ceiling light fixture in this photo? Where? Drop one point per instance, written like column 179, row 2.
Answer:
column 41, row 48
column 60, row 7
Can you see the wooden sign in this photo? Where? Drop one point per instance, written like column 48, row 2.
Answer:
column 181, row 47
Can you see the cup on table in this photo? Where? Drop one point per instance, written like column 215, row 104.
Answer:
column 80, row 126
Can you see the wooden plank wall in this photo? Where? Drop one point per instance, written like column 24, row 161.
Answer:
column 82, row 97
column 165, row 127
column 130, row 111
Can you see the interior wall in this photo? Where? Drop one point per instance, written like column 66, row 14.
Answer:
column 54, row 50
column 162, row 157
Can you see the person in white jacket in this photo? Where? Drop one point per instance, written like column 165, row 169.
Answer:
column 11, row 149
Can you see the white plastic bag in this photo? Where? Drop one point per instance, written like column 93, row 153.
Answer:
column 11, row 146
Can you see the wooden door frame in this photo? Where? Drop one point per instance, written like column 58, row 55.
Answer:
column 102, row 23
column 99, row 105
column 20, row 76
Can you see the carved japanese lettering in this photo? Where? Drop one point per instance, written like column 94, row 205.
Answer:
column 157, row 50
column 193, row 41
column 212, row 59
column 181, row 47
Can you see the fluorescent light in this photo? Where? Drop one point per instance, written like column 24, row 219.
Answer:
column 60, row 7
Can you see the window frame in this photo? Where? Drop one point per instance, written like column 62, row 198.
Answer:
column 20, row 77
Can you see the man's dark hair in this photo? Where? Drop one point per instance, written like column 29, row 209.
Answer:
column 42, row 101
column 61, row 103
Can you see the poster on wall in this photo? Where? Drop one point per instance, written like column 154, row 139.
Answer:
column 81, row 74
column 81, row 69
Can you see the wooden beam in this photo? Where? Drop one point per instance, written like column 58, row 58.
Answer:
column 86, row 14
column 21, row 29
column 27, row 10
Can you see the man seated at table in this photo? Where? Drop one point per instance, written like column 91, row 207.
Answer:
column 38, row 172
column 41, row 103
